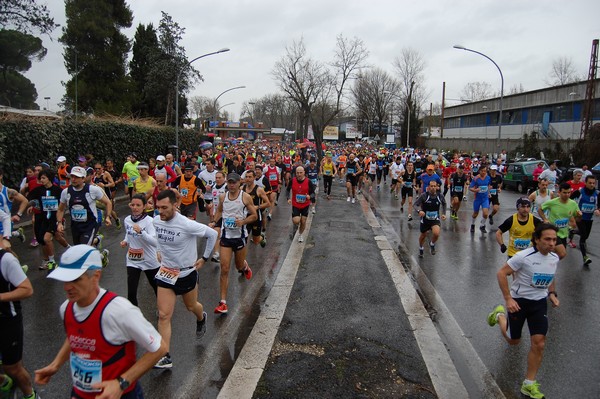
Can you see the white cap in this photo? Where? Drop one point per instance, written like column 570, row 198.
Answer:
column 75, row 261
column 475, row 159
column 78, row 171
column 161, row 158
column 61, row 159
column 494, row 167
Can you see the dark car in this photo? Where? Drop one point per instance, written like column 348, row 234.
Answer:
column 519, row 175
column 568, row 175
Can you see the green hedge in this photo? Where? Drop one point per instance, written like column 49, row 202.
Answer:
column 25, row 142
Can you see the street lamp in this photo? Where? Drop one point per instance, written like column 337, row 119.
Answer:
column 456, row 46
column 47, row 103
column 223, row 106
column 187, row 64
column 216, row 99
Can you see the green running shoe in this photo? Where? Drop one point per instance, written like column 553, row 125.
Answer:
column 532, row 390
column 492, row 318
column 7, row 385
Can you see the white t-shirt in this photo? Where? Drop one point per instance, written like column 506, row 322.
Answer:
column 208, row 178
column 396, row 170
column 550, row 175
column 177, row 242
column 12, row 272
column 121, row 322
column 533, row 273
column 141, row 251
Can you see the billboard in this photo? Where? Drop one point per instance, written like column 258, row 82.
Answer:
column 352, row 132
column 331, row 133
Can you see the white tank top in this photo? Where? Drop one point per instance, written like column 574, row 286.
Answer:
column 539, row 200
column 233, row 209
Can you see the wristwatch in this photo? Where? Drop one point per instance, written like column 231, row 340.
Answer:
column 123, row 383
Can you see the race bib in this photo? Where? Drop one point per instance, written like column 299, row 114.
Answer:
column 408, row 184
column 493, row 191
column 78, row 213
column 85, row 373
column 184, row 192
column 431, row 215
column 351, row 170
column 483, row 189
column 588, row 208
column 314, row 181
column 419, row 170
column 561, row 223
column 300, row 198
column 135, row 254
column 229, row 223
column 521, row 243
column 62, row 183
column 167, row 275
column 327, row 172
column 49, row 204
column 272, row 177
column 541, row 280
column 458, row 189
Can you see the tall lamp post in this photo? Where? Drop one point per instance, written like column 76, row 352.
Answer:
column 187, row 64
column 456, row 46
column 216, row 99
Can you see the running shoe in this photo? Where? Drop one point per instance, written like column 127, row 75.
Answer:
column 98, row 239
column 472, row 228
column 432, row 247
column 300, row 238
column 216, row 257
column 51, row 265
column 118, row 223
column 8, row 384
column 572, row 244
column 313, row 210
column 221, row 308
column 491, row 218
column 396, row 196
column 587, row 260
column 263, row 241
column 401, row 209
column 348, row 199
column 378, row 188
column 359, row 191
column 492, row 318
column 105, row 260
column 25, row 268
column 44, row 265
column 353, row 200
column 20, row 233
column 269, row 216
column 328, row 197
column 409, row 217
column 483, row 230
column 247, row 271
column 164, row 363
column 34, row 243
column 420, row 253
column 532, row 390
column 201, row 326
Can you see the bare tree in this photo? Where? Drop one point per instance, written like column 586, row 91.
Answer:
column 476, row 91
column 315, row 87
column 516, row 89
column 562, row 72
column 410, row 67
column 273, row 110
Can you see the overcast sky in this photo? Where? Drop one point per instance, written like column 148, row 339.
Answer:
column 523, row 37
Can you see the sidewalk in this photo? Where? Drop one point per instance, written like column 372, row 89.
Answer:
column 335, row 325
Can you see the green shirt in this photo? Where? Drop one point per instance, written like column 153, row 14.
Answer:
column 130, row 169
column 560, row 213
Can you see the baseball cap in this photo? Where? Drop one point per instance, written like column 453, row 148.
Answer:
column 494, row 167
column 161, row 158
column 61, row 159
column 233, row 177
column 188, row 166
column 81, row 158
column 523, row 201
column 75, row 261
column 78, row 171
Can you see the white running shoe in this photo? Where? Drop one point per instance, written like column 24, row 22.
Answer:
column 300, row 238
column 348, row 199
column 353, row 200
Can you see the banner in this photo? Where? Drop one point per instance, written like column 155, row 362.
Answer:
column 331, row 133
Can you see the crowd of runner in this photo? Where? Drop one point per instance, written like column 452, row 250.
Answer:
column 227, row 194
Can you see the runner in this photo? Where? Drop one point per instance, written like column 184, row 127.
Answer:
column 162, row 168
column 495, row 190
column 273, row 173
column 352, row 168
column 371, row 172
column 396, row 171
column 117, row 179
column 8, row 196
column 562, row 212
column 14, row 287
column 312, row 172
column 171, row 164
column 177, row 254
column 140, row 237
column 587, row 199
column 130, row 173
column 145, row 185
column 480, row 186
column 430, row 202
column 219, row 188
column 458, row 187
column 409, row 177
column 520, row 227
column 80, row 198
column 108, row 368
column 236, row 211
column 380, row 167
column 261, row 202
column 533, row 271
column 551, row 175
column 104, row 180
column 428, row 176
column 539, row 196
column 303, row 193
column 45, row 198
column 190, row 187
column 208, row 177
column 64, row 170
column 328, row 171
column 341, row 166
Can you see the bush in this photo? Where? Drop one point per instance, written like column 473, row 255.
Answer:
column 25, row 142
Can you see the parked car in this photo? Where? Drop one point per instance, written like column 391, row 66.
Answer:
column 519, row 175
